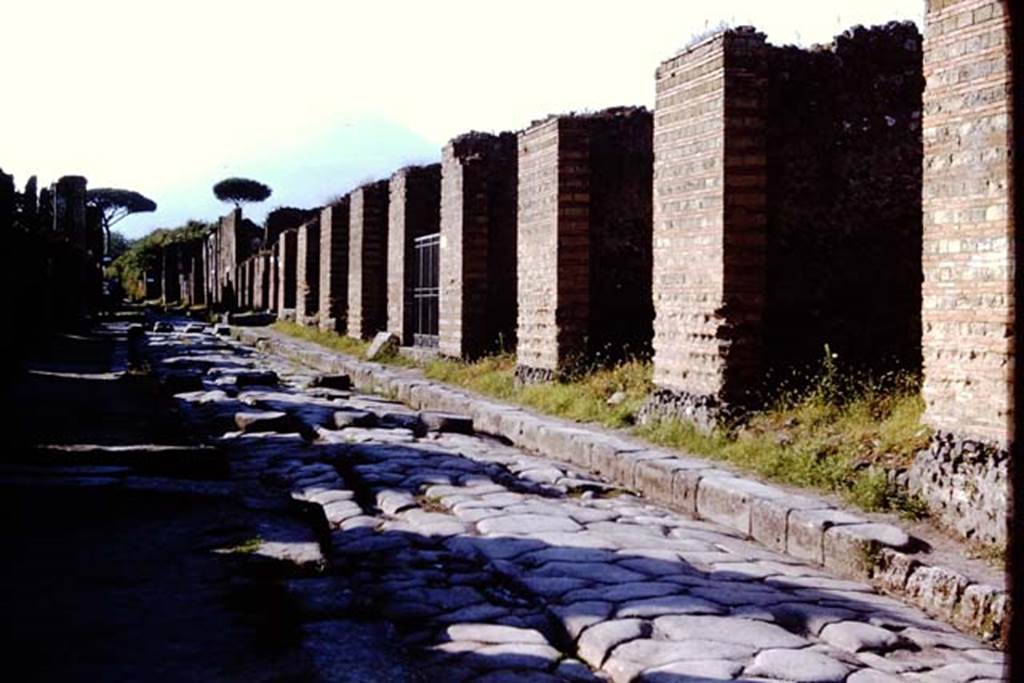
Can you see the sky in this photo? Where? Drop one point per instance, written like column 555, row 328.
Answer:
column 315, row 97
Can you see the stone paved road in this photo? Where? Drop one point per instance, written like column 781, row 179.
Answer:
column 499, row 565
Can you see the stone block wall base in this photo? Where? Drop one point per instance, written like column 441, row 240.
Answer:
column 966, row 484
column 703, row 411
column 527, row 375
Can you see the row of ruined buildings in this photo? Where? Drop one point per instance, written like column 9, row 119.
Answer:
column 56, row 240
column 776, row 201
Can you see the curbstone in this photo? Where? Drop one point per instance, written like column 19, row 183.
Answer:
column 726, row 499
column 769, row 517
column 655, row 476
column 805, row 531
column 853, row 550
column 936, row 589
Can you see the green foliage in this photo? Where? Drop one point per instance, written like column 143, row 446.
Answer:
column 117, row 245
column 841, row 432
column 115, row 203
column 241, row 190
column 144, row 253
column 844, row 434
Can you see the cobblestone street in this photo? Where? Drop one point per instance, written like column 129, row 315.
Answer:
column 494, row 564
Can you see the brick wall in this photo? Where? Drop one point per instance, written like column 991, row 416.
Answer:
column 844, row 200
column 285, row 218
column 367, row 264
column 477, row 307
column 307, row 273
column 334, row 221
column 414, row 210
column 274, row 277
column 709, row 222
column 968, row 263
column 584, row 240
column 288, row 242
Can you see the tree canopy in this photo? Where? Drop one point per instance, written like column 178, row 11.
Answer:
column 115, row 203
column 145, row 252
column 240, row 191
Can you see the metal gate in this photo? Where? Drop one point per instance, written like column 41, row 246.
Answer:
column 425, row 292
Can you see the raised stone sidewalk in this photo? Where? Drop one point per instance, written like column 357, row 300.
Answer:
column 804, row 527
column 490, row 563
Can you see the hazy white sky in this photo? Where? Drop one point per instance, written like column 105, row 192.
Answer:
column 314, row 96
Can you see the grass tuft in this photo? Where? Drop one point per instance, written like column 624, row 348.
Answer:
column 831, row 429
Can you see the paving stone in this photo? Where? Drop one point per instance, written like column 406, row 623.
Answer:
column 963, row 672
column 872, row 676
column 856, row 636
column 266, row 421
column 575, row 671
column 579, row 615
column 446, row 422
column 350, row 417
column 515, row 656
column 756, row 634
column 256, row 378
column 595, row 642
column 590, row 571
column 666, row 605
column 808, row 618
column 799, row 666
column 650, row 653
column 336, row 382
column 492, row 633
column 526, row 524
column 693, row 671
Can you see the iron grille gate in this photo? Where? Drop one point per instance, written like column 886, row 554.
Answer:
column 425, row 292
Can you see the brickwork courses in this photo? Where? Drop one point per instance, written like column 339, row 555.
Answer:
column 968, row 291
column 584, row 235
column 367, row 264
column 477, row 307
column 790, row 179
column 709, row 253
column 414, row 210
column 333, row 305
column 307, row 272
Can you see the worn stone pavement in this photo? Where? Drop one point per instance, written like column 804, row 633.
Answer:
column 499, row 565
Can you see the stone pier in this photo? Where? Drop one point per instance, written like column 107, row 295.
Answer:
column 367, row 260
column 584, row 242
column 477, row 307
column 333, row 305
column 287, row 263
column 968, row 309
column 307, row 272
column 413, row 211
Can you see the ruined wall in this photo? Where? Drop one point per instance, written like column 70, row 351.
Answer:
column 307, row 273
column 844, row 207
column 171, row 273
column 333, row 305
column 584, row 241
column 968, row 292
column 288, row 243
column 274, row 277
column 709, row 224
column 478, row 279
column 414, row 210
column 367, row 266
column 285, row 218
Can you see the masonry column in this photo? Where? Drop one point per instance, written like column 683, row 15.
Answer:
column 709, row 226
column 367, row 265
column 584, row 236
column 288, row 243
column 307, row 273
column 414, row 210
column 334, row 221
column 477, row 304
column 968, row 261
column 275, row 277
